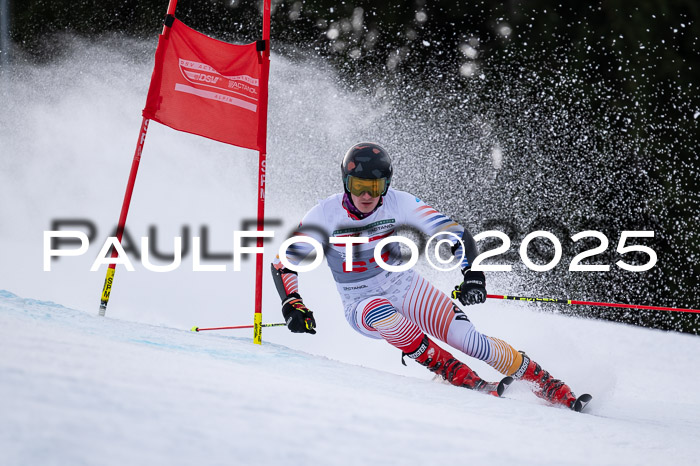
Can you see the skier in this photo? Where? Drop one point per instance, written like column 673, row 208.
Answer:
column 402, row 307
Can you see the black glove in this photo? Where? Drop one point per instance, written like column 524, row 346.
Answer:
column 472, row 290
column 298, row 318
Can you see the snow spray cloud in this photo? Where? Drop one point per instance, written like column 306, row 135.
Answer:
column 539, row 143
column 514, row 148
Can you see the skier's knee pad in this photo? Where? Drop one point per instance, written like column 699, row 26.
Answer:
column 375, row 313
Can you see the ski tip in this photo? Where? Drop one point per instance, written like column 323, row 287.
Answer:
column 581, row 402
column 503, row 384
column 194, row 329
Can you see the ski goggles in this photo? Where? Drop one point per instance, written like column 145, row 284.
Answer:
column 357, row 186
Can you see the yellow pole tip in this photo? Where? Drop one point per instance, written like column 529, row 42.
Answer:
column 194, row 329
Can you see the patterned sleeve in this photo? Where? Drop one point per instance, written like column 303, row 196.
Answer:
column 311, row 225
column 420, row 215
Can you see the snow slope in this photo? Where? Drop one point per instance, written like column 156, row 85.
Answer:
column 79, row 389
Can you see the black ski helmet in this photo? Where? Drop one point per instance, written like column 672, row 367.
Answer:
column 366, row 160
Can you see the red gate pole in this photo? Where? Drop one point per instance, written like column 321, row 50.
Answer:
column 262, row 147
column 109, row 279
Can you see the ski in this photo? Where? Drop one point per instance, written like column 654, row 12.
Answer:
column 496, row 388
column 581, row 402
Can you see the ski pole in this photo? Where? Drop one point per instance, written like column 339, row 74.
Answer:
column 197, row 329
column 590, row 303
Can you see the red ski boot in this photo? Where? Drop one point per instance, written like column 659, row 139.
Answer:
column 545, row 386
column 442, row 363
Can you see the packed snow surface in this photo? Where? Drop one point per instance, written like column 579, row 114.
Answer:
column 80, row 389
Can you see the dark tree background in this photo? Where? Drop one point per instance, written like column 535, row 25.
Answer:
column 596, row 104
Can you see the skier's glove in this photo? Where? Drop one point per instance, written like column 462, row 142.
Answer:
column 472, row 290
column 298, row 318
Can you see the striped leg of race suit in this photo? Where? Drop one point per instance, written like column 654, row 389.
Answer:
column 435, row 313
column 426, row 309
column 378, row 314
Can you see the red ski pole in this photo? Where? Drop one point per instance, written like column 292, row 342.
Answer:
column 197, row 329
column 589, row 303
